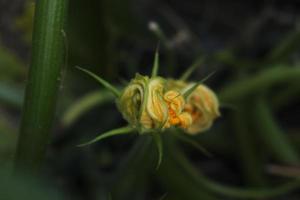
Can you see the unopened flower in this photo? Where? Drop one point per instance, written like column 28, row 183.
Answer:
column 204, row 108
column 176, row 104
column 202, row 105
column 153, row 104
column 146, row 105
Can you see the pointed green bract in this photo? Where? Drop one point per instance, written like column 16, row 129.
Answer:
column 191, row 69
column 118, row 131
column 192, row 142
column 156, row 63
column 187, row 93
column 158, row 142
column 103, row 82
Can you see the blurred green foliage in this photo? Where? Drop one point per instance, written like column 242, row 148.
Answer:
column 24, row 22
column 12, row 68
column 8, row 138
column 25, row 187
column 259, row 126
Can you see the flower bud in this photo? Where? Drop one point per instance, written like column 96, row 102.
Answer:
column 142, row 103
column 204, row 108
column 146, row 106
column 202, row 105
column 176, row 104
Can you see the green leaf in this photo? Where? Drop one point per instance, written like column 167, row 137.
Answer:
column 103, row 82
column 193, row 143
column 271, row 133
column 254, row 84
column 84, row 104
column 156, row 63
column 201, row 181
column 22, row 185
column 285, row 48
column 118, row 131
column 192, row 68
column 187, row 93
column 158, row 142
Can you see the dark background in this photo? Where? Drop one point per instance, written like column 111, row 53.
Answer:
column 242, row 40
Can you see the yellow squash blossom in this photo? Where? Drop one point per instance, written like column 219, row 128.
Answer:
column 202, row 105
column 176, row 104
column 146, row 105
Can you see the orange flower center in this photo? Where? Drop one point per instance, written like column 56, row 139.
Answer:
column 175, row 104
column 173, row 118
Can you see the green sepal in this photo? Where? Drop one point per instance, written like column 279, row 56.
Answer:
column 146, row 93
column 103, row 82
column 118, row 131
column 158, row 142
column 155, row 67
column 188, row 92
column 192, row 68
column 187, row 139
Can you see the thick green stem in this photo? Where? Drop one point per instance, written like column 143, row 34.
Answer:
column 43, row 83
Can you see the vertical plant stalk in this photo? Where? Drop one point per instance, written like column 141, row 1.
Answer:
column 43, row 83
